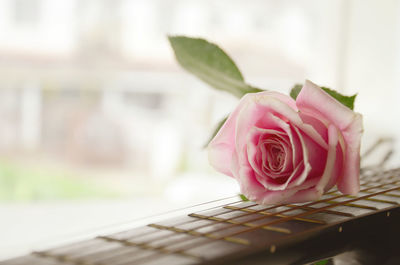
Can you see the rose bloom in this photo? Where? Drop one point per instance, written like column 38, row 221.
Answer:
column 285, row 151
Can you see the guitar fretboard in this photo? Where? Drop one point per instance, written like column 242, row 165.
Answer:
column 244, row 231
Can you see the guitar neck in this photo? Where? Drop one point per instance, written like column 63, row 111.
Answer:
column 247, row 233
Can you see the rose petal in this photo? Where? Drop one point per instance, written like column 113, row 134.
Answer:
column 294, row 141
column 297, row 147
column 267, row 197
column 337, row 168
column 220, row 157
column 330, row 162
column 314, row 155
column 253, row 114
column 221, row 147
column 317, row 124
column 310, row 194
column 313, row 99
column 284, row 98
column 255, row 111
column 271, row 184
column 253, row 138
column 307, row 167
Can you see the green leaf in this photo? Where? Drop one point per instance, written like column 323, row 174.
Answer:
column 216, row 129
column 295, row 91
column 348, row 101
column 322, row 262
column 211, row 64
column 243, row 198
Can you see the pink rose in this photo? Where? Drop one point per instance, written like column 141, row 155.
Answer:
column 284, row 151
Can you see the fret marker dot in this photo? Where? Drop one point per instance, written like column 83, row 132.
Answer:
column 388, row 214
column 272, row 249
column 340, row 229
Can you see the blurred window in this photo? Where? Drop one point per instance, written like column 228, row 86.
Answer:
column 26, row 12
column 96, row 116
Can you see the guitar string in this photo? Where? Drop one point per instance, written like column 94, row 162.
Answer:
column 370, row 150
column 224, row 220
column 257, row 211
column 146, row 233
column 375, row 145
column 316, row 210
column 126, row 240
column 184, row 222
column 290, row 218
column 324, row 207
column 296, row 207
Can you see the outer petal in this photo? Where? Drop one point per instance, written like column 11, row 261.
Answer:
column 313, row 99
column 220, row 157
column 310, row 194
column 330, row 162
column 302, row 193
column 313, row 154
column 349, row 183
column 317, row 124
column 338, row 167
column 307, row 167
column 222, row 146
column 284, row 98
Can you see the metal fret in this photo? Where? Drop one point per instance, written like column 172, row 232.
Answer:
column 271, row 228
column 278, row 215
column 331, row 212
column 314, row 211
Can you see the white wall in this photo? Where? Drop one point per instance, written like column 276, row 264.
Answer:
column 372, row 65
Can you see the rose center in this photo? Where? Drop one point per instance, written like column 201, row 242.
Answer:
column 273, row 156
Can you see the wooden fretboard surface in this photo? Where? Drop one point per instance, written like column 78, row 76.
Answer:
column 247, row 233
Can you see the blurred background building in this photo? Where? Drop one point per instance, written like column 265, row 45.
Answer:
column 99, row 125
